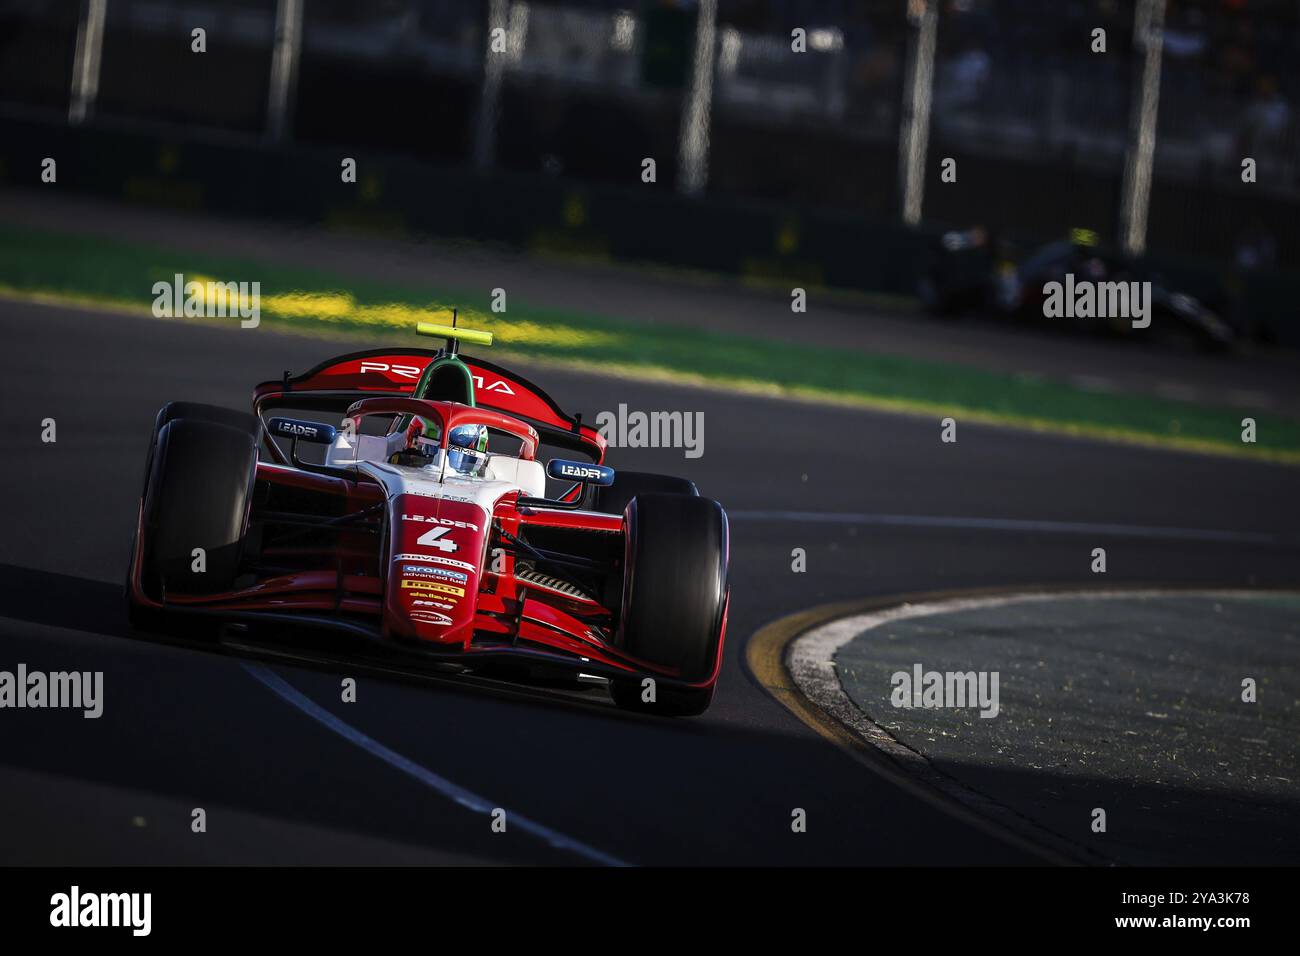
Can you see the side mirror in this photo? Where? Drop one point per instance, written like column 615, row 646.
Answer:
column 585, row 472
column 315, row 432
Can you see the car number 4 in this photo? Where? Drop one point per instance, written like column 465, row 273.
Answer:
column 434, row 538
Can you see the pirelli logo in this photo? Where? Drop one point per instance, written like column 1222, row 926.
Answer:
column 434, row 586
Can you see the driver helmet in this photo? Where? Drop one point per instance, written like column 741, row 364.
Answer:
column 467, row 449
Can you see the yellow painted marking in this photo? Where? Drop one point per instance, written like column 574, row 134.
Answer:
column 765, row 656
column 331, row 308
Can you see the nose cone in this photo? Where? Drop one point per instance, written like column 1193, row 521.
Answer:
column 437, row 548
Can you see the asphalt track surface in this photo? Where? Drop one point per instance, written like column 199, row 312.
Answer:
column 1127, row 696
column 287, row 773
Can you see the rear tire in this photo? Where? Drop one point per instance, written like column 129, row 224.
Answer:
column 613, row 499
column 198, row 492
column 674, row 596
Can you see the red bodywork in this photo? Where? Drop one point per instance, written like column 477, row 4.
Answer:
column 362, row 581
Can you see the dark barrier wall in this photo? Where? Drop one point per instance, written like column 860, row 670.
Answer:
column 803, row 180
column 586, row 134
column 645, row 222
column 641, row 223
column 155, row 76
column 1204, row 220
column 1213, row 220
column 36, row 55
column 1030, row 198
column 817, row 132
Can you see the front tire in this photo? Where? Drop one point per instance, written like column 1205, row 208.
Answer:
column 613, row 499
column 674, row 598
column 198, row 411
column 669, row 701
column 198, row 492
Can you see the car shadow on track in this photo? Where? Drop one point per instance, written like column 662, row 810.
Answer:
column 774, row 770
column 98, row 607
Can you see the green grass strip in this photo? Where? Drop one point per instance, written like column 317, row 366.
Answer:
column 96, row 271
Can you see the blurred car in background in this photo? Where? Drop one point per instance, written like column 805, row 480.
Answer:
column 969, row 271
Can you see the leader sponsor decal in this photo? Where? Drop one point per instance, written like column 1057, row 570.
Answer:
column 446, row 522
column 439, row 534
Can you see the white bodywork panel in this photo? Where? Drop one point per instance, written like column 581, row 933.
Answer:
column 370, row 454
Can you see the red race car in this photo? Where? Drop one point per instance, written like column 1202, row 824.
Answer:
column 422, row 527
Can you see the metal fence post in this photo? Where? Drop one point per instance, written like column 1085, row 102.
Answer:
column 1148, row 26
column 693, row 148
column 494, row 66
column 914, row 134
column 85, row 64
column 284, row 68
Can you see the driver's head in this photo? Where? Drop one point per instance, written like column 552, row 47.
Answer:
column 466, row 446
column 467, row 449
